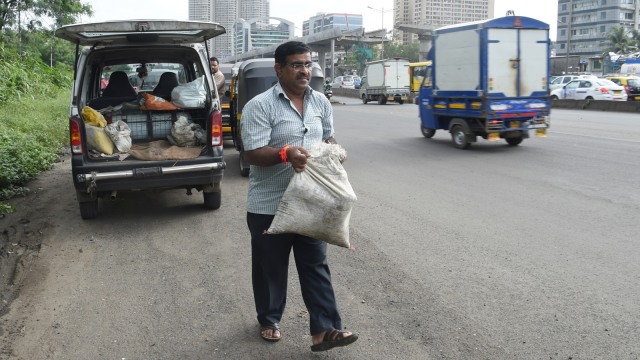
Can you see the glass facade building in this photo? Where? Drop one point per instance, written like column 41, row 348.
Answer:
column 322, row 22
column 260, row 32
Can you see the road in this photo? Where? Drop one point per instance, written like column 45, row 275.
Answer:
column 494, row 252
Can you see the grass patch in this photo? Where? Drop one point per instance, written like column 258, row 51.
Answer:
column 33, row 132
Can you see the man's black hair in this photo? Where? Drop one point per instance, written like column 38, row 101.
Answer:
column 290, row 48
column 213, row 58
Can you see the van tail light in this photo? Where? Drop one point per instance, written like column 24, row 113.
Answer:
column 75, row 135
column 604, row 90
column 216, row 129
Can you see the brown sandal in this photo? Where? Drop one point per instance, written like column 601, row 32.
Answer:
column 334, row 338
column 274, row 328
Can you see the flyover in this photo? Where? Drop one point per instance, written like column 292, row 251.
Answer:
column 323, row 42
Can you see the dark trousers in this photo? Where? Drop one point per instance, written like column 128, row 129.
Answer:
column 270, row 266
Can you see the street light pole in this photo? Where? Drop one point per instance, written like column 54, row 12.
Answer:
column 381, row 11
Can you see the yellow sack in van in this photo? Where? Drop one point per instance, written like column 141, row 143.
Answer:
column 97, row 139
column 93, row 117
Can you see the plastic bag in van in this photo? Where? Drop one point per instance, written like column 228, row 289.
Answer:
column 190, row 95
column 93, row 117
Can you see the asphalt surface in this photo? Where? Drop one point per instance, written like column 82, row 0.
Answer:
column 495, row 252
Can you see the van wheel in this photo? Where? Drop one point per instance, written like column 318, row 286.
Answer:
column 459, row 138
column 364, row 99
column 89, row 209
column 553, row 97
column 244, row 166
column 428, row 133
column 212, row 200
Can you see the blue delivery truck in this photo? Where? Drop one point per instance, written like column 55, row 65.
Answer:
column 489, row 79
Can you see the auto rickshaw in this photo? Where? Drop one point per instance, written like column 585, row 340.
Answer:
column 255, row 76
column 224, row 102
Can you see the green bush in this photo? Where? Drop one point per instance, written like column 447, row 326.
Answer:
column 33, row 121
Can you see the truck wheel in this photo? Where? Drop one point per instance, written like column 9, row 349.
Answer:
column 364, row 99
column 514, row 141
column 89, row 209
column 244, row 166
column 212, row 200
column 400, row 102
column 459, row 138
column 382, row 100
column 428, row 133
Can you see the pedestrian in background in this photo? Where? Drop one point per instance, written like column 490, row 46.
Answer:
column 278, row 126
column 218, row 76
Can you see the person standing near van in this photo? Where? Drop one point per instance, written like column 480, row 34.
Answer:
column 278, row 126
column 218, row 76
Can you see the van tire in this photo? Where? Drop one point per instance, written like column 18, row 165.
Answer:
column 212, row 200
column 88, row 209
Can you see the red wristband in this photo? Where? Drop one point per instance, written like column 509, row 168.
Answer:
column 283, row 153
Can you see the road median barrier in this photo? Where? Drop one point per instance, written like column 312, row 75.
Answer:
column 601, row 105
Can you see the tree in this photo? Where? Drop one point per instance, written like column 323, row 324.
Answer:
column 635, row 38
column 409, row 51
column 63, row 12
column 618, row 40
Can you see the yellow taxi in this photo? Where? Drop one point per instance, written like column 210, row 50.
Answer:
column 631, row 85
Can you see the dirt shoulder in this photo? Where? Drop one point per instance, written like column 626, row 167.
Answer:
column 23, row 232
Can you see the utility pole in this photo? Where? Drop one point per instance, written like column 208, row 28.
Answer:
column 569, row 23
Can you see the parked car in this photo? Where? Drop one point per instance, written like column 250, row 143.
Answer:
column 357, row 82
column 343, row 82
column 141, row 157
column 560, row 81
column 631, row 85
column 590, row 89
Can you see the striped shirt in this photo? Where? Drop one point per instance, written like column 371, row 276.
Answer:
column 270, row 119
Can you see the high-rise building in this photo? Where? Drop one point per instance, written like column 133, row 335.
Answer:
column 438, row 13
column 322, row 21
column 583, row 25
column 225, row 13
column 260, row 32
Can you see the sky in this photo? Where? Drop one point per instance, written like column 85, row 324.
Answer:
column 300, row 10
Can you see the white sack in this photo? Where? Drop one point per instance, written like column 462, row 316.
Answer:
column 186, row 133
column 318, row 201
column 120, row 134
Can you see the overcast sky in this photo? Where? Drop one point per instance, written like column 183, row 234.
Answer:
column 300, row 10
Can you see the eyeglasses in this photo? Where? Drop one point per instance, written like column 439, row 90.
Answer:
column 299, row 65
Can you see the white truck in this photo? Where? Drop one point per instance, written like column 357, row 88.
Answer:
column 631, row 67
column 386, row 80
